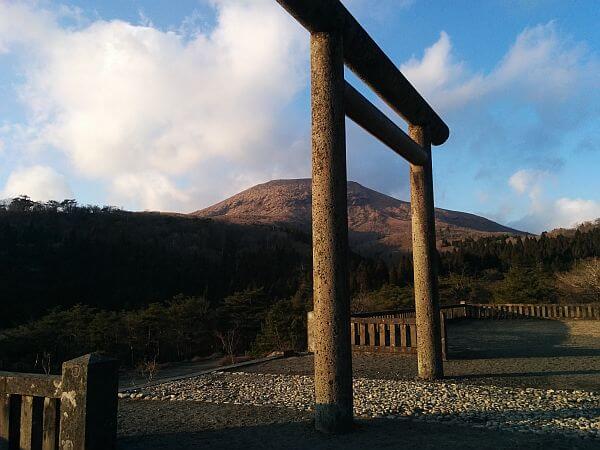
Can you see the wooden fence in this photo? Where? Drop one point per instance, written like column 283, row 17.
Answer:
column 395, row 331
column 381, row 334
column 520, row 311
column 73, row 411
column 585, row 311
column 377, row 334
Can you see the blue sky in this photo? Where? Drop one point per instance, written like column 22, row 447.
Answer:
column 176, row 105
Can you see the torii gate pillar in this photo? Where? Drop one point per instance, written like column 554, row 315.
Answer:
column 333, row 355
column 427, row 307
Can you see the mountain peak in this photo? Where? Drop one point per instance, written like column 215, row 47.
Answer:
column 378, row 223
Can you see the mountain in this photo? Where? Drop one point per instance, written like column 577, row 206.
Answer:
column 379, row 224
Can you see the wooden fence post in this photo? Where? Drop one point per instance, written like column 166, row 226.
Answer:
column 310, row 334
column 4, row 420
column 444, row 334
column 31, row 422
column 89, row 405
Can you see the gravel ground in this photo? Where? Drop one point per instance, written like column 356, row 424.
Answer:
column 184, row 425
column 571, row 413
column 582, row 372
column 510, row 384
column 544, row 354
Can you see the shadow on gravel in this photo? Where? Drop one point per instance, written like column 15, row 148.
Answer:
column 524, row 338
column 524, row 417
column 368, row 434
column 548, row 373
column 195, row 425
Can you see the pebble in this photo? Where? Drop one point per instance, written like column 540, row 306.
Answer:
column 571, row 413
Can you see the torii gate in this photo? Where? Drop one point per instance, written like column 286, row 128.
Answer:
column 337, row 38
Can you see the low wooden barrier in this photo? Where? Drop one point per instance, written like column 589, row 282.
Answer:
column 378, row 334
column 381, row 334
column 73, row 411
column 403, row 313
column 449, row 311
column 395, row 331
column 585, row 311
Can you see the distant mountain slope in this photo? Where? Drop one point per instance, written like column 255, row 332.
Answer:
column 379, row 224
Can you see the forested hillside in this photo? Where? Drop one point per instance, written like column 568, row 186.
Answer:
column 64, row 254
column 151, row 286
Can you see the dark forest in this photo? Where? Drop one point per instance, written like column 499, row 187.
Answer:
column 170, row 287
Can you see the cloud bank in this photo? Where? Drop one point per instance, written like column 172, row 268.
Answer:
column 541, row 67
column 524, row 110
column 547, row 213
column 143, row 109
column 38, row 182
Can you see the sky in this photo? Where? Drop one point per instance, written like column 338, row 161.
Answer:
column 173, row 106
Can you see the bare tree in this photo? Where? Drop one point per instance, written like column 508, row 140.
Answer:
column 45, row 361
column 148, row 368
column 229, row 340
column 583, row 280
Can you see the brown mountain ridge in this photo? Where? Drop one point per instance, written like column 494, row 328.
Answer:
column 378, row 223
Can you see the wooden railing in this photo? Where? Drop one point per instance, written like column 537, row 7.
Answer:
column 388, row 335
column 449, row 311
column 73, row 411
column 395, row 331
column 376, row 334
column 585, row 311
column 403, row 313
column 382, row 333
column 589, row 311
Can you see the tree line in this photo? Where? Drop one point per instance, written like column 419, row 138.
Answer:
column 165, row 287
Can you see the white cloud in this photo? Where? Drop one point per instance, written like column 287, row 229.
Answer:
column 524, row 110
column 38, row 182
column 440, row 78
column 528, row 181
column 576, row 210
column 546, row 213
column 540, row 67
column 151, row 188
column 124, row 101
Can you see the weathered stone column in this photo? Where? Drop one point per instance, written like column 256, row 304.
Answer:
column 88, row 404
column 333, row 357
column 429, row 351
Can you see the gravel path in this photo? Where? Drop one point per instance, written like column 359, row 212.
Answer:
column 570, row 413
